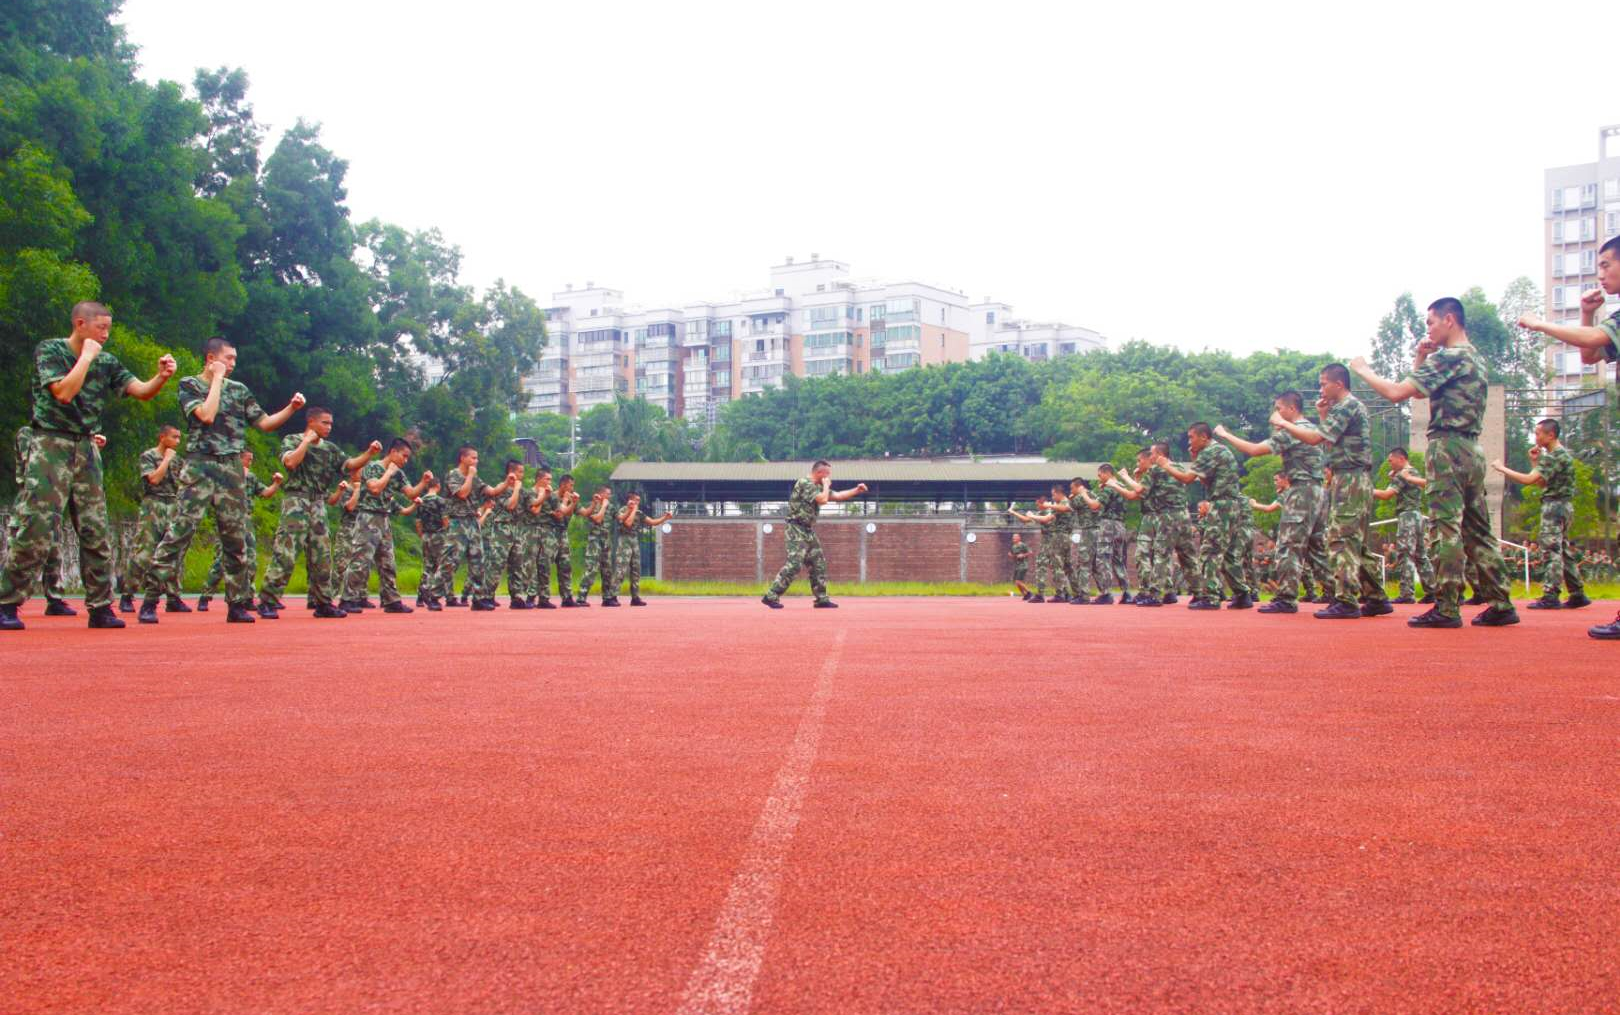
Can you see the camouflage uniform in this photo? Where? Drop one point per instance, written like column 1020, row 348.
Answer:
column 212, row 479
column 1061, row 532
column 252, row 487
column 1454, row 380
column 64, row 472
column 1147, row 530
column 500, row 534
column 599, row 552
column 523, row 566
column 304, row 526
column 627, row 556
column 464, row 541
column 158, row 504
column 1350, row 503
column 803, row 548
column 1317, row 568
column 1411, row 561
column 1563, row 561
column 1111, row 536
column 372, row 541
column 433, row 513
column 27, row 443
column 1020, row 560
column 1085, row 552
column 1228, row 525
column 343, row 547
column 1173, row 540
column 1301, row 509
column 555, row 553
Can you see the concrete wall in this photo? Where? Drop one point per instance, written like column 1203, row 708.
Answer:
column 1492, row 442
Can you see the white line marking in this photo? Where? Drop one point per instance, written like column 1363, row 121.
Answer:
column 723, row 982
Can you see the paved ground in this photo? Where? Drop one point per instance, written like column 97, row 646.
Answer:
column 965, row 805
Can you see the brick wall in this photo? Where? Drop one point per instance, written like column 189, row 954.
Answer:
column 899, row 550
column 914, row 550
column 709, row 551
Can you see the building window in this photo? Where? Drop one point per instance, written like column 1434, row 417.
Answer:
column 1588, row 262
column 989, row 317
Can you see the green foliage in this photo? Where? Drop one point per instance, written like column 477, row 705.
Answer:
column 1260, row 484
column 1588, row 521
column 1398, row 334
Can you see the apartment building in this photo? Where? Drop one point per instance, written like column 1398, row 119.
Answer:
column 813, row 319
column 1582, row 211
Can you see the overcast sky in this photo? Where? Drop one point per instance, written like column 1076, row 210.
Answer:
column 1226, row 176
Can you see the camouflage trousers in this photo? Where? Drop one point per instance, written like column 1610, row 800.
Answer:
column 598, row 561
column 1111, row 537
column 433, row 554
column 371, row 544
column 209, row 482
column 1173, row 545
column 1226, row 531
column 499, row 538
column 803, row 551
column 1048, row 570
column 51, row 576
column 155, row 518
column 1316, row 558
column 1350, row 506
column 1299, row 537
column 1462, row 524
column 554, row 554
column 62, row 475
column 1563, row 560
column 627, row 564
column 1411, row 557
column 303, row 528
column 1146, row 530
column 1084, row 575
column 464, row 542
column 216, row 570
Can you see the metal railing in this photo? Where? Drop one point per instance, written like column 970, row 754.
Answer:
column 1503, row 542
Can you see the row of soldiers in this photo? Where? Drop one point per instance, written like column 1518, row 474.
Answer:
column 1326, row 500
column 523, row 526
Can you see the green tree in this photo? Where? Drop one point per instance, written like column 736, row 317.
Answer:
column 1396, row 338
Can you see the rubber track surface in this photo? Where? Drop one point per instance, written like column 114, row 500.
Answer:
column 1000, row 807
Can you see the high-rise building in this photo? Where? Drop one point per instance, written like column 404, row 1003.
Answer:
column 1582, row 212
column 813, row 320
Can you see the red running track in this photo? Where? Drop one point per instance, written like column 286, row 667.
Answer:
column 975, row 805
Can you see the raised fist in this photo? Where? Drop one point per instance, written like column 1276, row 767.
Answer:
column 279, row 477
column 167, row 366
column 1592, row 299
column 98, row 440
column 1221, row 431
column 860, row 487
column 1535, row 454
column 297, row 400
column 427, row 474
column 214, row 371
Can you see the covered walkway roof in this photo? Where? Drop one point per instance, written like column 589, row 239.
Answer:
column 889, row 479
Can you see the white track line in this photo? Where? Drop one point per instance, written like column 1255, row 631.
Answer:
column 723, row 982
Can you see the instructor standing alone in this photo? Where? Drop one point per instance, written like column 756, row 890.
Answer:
column 803, row 548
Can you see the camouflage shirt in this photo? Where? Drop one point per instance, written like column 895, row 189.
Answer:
column 380, row 503
column 432, row 512
column 603, row 529
column 169, row 488
column 469, row 506
column 1063, row 522
column 553, row 502
column 1557, row 468
column 1084, row 516
column 1218, row 470
column 639, row 521
column 252, row 487
column 523, row 515
column 80, row 416
column 1301, row 462
column 1454, row 381
column 1166, row 495
column 1408, row 495
column 227, row 434
column 318, row 473
column 1611, row 327
column 1021, row 551
column 1113, row 505
column 802, row 507
column 1346, row 429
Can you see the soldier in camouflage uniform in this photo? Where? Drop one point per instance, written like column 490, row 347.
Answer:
column 555, row 512
column 629, row 524
column 1127, row 487
column 803, row 548
column 1411, row 557
column 343, row 543
column 51, row 577
column 467, row 494
column 1229, row 522
column 1019, row 555
column 432, row 519
column 218, row 412
column 1111, row 497
column 599, row 521
column 1174, row 542
column 1046, row 566
column 1148, row 481
column 502, row 538
column 1087, row 519
column 1061, row 532
column 1344, row 428
column 1298, row 499
column 1599, row 341
column 372, row 541
column 1552, row 468
column 315, row 467
column 160, row 493
column 73, row 381
column 252, row 487
column 1452, row 375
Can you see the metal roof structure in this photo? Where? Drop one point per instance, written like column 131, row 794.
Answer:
column 888, row 479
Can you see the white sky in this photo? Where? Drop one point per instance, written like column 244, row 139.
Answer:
column 1229, row 176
